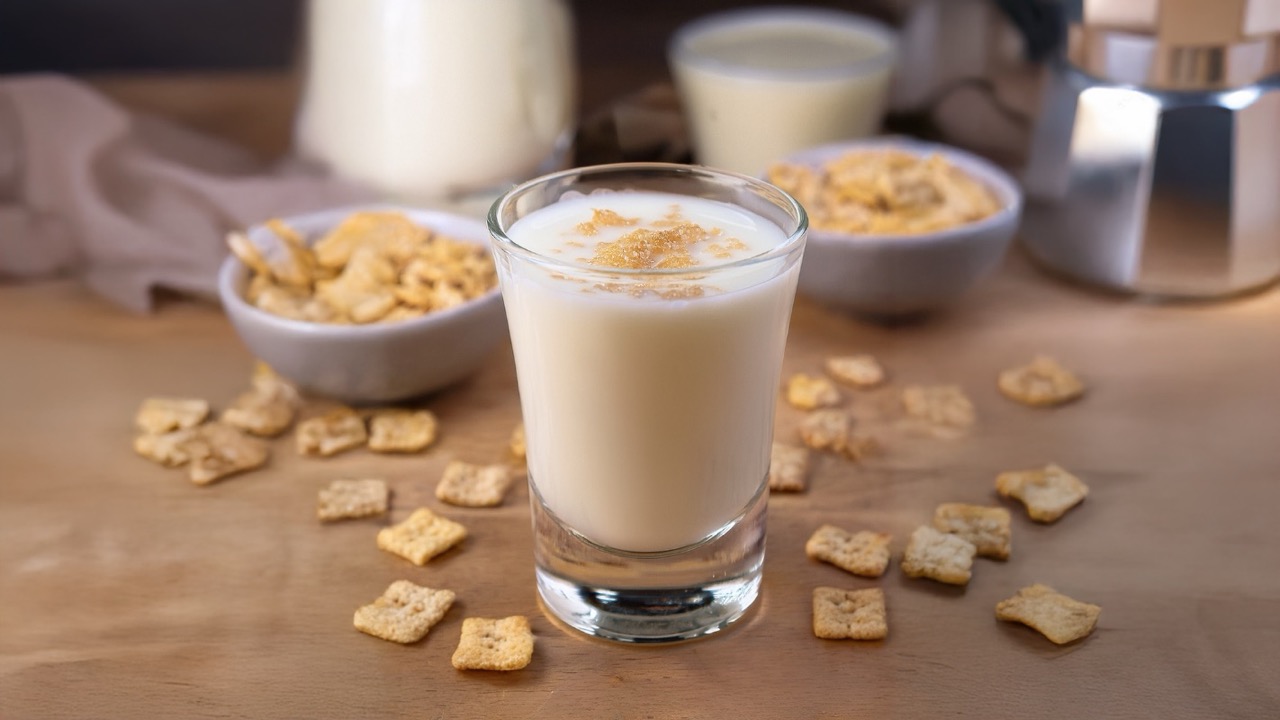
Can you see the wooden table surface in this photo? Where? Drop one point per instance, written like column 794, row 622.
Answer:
column 127, row 592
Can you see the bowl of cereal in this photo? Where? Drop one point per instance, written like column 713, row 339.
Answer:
column 365, row 305
column 896, row 226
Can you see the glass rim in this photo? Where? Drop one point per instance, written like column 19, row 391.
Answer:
column 679, row 50
column 789, row 204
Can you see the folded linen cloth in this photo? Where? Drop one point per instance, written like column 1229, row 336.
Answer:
column 130, row 203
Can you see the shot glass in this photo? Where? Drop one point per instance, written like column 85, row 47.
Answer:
column 648, row 306
column 761, row 83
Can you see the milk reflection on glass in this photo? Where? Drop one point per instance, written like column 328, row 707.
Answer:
column 760, row 83
column 648, row 306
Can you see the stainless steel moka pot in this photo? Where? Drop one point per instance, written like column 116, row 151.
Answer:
column 1155, row 166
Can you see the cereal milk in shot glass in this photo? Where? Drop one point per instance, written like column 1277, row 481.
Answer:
column 648, row 306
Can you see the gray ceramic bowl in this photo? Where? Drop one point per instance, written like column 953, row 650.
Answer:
column 895, row 275
column 377, row 362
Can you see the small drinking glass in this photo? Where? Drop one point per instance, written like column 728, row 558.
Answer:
column 648, row 394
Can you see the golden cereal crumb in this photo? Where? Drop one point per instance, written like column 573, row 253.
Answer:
column 788, row 468
column 988, row 528
column 860, row 371
column 840, row 614
column 332, row 433
column 470, row 485
column 402, row 431
column 162, row 414
column 219, row 450
column 811, row 392
column 944, row 405
column 1042, row 383
column 1059, row 618
column 345, row 499
column 862, row 553
column 938, row 556
column 517, row 444
column 420, row 537
column 1048, row 493
column 405, row 613
column 505, row 644
column 832, row 431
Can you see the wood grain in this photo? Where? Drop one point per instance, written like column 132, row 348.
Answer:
column 127, row 592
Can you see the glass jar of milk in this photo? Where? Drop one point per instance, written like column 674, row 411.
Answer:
column 438, row 101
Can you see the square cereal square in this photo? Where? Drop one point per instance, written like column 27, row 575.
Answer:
column 1049, row 612
column 402, row 431
column 849, row 614
column 938, row 556
column 420, row 537
column 860, row 371
column 863, row 553
column 505, row 644
column 941, row 405
column 988, row 528
column 345, row 499
column 1041, row 383
column 1047, row 493
column 788, row 468
column 811, row 392
column 332, row 433
column 164, row 414
column 405, row 613
column 470, row 485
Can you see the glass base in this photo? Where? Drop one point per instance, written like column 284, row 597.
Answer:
column 649, row 597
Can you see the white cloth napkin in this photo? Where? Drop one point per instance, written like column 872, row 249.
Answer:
column 132, row 204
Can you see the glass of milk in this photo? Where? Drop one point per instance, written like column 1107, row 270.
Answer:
column 648, row 306
column 438, row 102
column 758, row 84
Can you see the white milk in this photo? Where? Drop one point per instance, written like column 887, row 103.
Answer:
column 760, row 84
column 649, row 419
column 424, row 99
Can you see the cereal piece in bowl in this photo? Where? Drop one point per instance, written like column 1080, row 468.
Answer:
column 366, row 305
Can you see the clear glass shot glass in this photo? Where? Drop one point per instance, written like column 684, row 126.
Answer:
column 648, row 394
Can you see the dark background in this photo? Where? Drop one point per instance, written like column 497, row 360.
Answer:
column 184, row 35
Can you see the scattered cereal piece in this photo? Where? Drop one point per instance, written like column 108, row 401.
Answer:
column 171, row 448
column 220, row 450
column 945, row 405
column 266, row 382
column 505, row 644
column 1048, row 493
column 260, row 414
column 860, row 371
column 403, row 431
column 849, row 614
column 352, row 499
column 808, row 393
column 162, row 414
column 474, row 485
column 518, row 447
column 330, row 434
column 1042, row 383
column 420, row 537
column 405, row 613
column 863, row 553
column 987, row 528
column 939, row 556
column 788, row 468
column 832, row 431
column 1052, row 614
